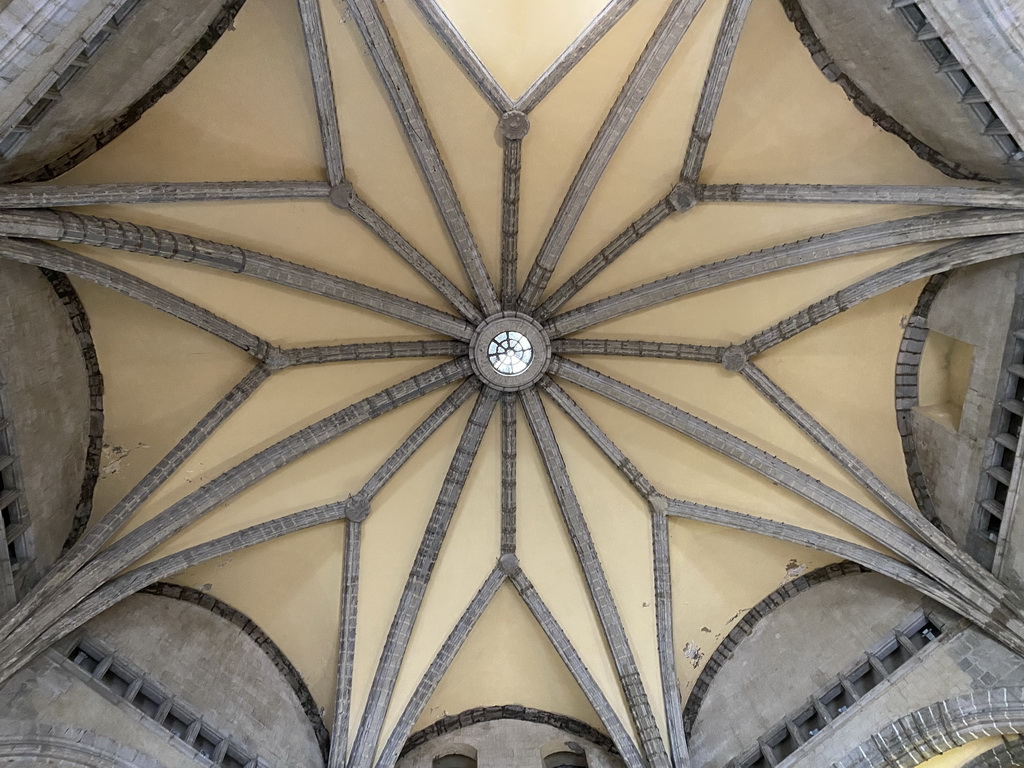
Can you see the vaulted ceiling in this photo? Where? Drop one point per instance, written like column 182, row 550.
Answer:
column 526, row 476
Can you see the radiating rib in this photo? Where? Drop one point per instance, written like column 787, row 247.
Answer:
column 778, row 471
column 888, row 234
column 408, row 253
column 323, row 88
column 62, row 260
column 50, row 195
column 179, row 515
column 652, row 61
column 438, row 667
column 578, row 669
column 108, row 233
column 100, row 533
column 396, row 82
column 892, row 501
column 380, row 350
column 597, row 582
column 629, row 348
column 608, row 447
column 982, row 196
column 508, row 474
column 662, row 569
column 512, row 166
column 622, row 242
column 943, row 259
column 578, row 48
column 875, row 561
column 393, row 652
column 465, row 55
column 714, row 87
column 346, row 645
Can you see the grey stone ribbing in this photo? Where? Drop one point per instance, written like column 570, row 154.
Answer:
column 399, row 88
column 597, row 582
column 53, row 257
column 393, row 652
column 108, row 233
column 590, row 428
column 622, row 242
column 512, row 165
column 408, row 253
column 508, row 473
column 378, row 350
column 355, row 509
column 571, row 658
column 917, row 523
column 50, row 195
column 438, row 667
column 632, row 348
column 1009, row 754
column 323, row 88
column 465, row 55
column 942, row 259
column 95, row 538
column 932, row 730
column 778, row 471
column 1005, row 196
column 346, row 645
column 714, row 87
column 652, row 61
column 888, row 234
column 154, row 532
column 663, row 614
column 578, row 48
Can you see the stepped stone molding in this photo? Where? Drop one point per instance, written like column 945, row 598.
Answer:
column 932, row 730
column 1007, row 755
column 453, row 723
column 862, row 102
column 745, row 626
column 80, row 324
column 221, row 23
column 67, row 746
column 266, row 644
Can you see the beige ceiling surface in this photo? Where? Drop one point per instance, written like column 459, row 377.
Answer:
column 247, row 113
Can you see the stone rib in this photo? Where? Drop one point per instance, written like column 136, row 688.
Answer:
column 938, row 540
column 323, row 88
column 346, row 645
column 108, row 233
column 571, row 658
column 62, row 260
column 571, row 56
column 1005, row 196
column 778, row 471
column 380, row 350
column 465, row 55
column 512, row 166
column 714, row 87
column 396, row 82
column 508, row 474
column 622, row 242
column 408, row 253
column 99, row 534
column 889, row 234
column 869, row 558
column 652, row 61
column 662, row 569
column 943, row 259
column 597, row 582
column 632, row 348
column 154, row 532
column 381, row 689
column 48, row 195
column 437, row 669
